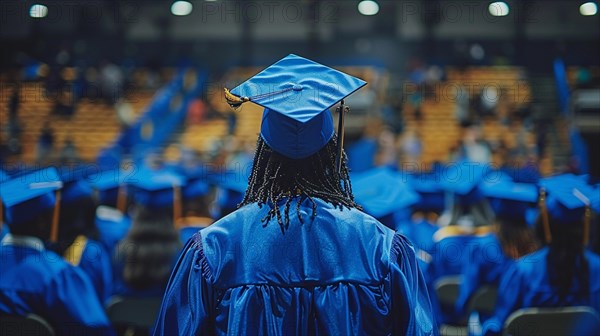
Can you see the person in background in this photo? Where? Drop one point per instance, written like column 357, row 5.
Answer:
column 494, row 253
column 78, row 236
column 298, row 256
column 45, row 144
column 145, row 257
column 34, row 279
column 564, row 272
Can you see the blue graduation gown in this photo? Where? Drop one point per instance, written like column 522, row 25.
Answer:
column 526, row 284
column 35, row 280
column 112, row 230
column 95, row 261
column 486, row 267
column 339, row 273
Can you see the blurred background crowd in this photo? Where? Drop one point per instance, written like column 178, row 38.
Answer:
column 123, row 101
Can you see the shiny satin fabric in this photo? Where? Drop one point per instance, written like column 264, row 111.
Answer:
column 527, row 284
column 41, row 282
column 340, row 273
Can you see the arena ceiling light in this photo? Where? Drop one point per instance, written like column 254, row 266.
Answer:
column 38, row 11
column 181, row 8
column 368, row 7
column 588, row 9
column 499, row 8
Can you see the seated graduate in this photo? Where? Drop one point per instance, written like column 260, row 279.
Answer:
column 513, row 204
column 78, row 236
column 195, row 209
column 112, row 222
column 145, row 257
column 563, row 273
column 298, row 256
column 36, row 280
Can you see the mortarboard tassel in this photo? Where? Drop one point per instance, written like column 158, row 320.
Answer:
column 176, row 204
column 121, row 198
column 55, row 218
column 342, row 110
column 544, row 214
column 233, row 100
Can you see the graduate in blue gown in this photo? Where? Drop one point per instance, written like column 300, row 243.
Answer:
column 195, row 209
column 36, row 280
column 111, row 220
column 298, row 256
column 143, row 260
column 78, row 237
column 563, row 273
column 495, row 253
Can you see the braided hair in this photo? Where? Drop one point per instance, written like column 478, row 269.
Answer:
column 278, row 181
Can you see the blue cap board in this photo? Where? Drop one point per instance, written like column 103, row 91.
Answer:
column 297, row 94
column 75, row 184
column 432, row 196
column 107, row 183
column 29, row 195
column 155, row 188
column 512, row 201
column 382, row 191
column 463, row 179
column 567, row 197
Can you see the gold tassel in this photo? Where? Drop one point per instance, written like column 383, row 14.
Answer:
column 544, row 214
column 55, row 218
column 121, row 199
column 586, row 225
column 233, row 100
column 176, row 204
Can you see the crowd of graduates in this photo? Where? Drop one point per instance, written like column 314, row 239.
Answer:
column 73, row 237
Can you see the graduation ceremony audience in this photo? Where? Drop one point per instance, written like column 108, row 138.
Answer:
column 399, row 172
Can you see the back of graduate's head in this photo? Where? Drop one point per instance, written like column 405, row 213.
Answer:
column 149, row 247
column 276, row 180
column 30, row 203
column 565, row 219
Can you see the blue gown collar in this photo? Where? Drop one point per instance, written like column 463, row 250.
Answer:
column 23, row 241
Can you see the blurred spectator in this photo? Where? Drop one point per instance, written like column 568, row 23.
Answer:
column 473, row 148
column 461, row 107
column 487, row 101
column 69, row 153
column 14, row 103
column 64, row 106
column 387, row 154
column 125, row 113
column 196, row 111
column 411, row 146
column 45, row 144
column 111, row 82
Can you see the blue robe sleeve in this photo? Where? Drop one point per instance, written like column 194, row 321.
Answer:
column 509, row 299
column 471, row 281
column 410, row 298
column 185, row 309
column 96, row 264
column 75, row 308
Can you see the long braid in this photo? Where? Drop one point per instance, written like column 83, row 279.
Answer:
column 275, row 178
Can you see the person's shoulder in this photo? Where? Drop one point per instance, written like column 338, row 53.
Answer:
column 593, row 259
column 532, row 263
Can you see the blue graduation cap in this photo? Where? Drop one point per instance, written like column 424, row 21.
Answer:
column 75, row 184
column 108, row 183
column 568, row 196
column 382, row 191
column 432, row 196
column 156, row 188
column 26, row 196
column 463, row 180
column 512, row 201
column 296, row 94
